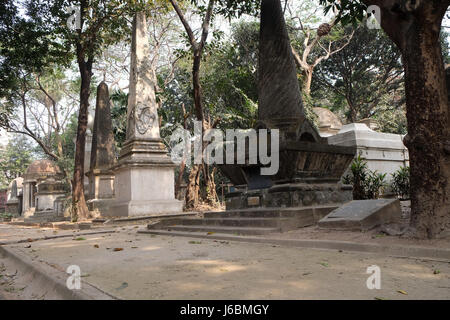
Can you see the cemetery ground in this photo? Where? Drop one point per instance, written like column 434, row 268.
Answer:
column 116, row 261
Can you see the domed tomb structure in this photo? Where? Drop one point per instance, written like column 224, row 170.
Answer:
column 329, row 123
column 42, row 184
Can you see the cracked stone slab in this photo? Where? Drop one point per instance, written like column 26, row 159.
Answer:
column 363, row 214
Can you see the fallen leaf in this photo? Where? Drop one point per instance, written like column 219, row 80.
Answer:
column 379, row 298
column 96, row 246
column 123, row 286
column 118, row 249
column 134, row 247
column 195, row 242
column 79, row 239
column 402, row 292
column 210, row 233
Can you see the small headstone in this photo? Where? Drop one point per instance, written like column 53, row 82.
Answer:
column 363, row 215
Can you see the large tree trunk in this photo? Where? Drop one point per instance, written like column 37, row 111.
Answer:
column 415, row 29
column 308, row 81
column 193, row 187
column 427, row 103
column 79, row 207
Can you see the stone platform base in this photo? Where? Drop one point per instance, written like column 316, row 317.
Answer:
column 290, row 195
column 13, row 208
column 45, row 216
column 101, row 205
column 145, row 208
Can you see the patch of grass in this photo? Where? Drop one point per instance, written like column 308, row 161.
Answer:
column 79, row 239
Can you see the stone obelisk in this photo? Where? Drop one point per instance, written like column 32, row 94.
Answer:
column 144, row 173
column 101, row 177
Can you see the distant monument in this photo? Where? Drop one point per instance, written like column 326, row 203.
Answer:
column 13, row 203
column 42, row 185
column 144, row 173
column 101, row 177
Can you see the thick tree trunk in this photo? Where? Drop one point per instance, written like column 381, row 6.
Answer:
column 414, row 26
column 79, row 207
column 428, row 133
column 308, row 81
column 193, row 187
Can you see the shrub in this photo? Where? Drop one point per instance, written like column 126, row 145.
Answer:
column 400, row 183
column 366, row 184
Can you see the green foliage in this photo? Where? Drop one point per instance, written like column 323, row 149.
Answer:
column 401, row 182
column 374, row 184
column 68, row 144
column 367, row 184
column 364, row 80
column 15, row 159
column 350, row 11
column 119, row 105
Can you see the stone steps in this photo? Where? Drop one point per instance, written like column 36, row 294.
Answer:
column 221, row 229
column 247, row 222
column 238, row 222
column 271, row 212
column 43, row 217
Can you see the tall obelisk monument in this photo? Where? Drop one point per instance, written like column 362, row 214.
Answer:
column 145, row 173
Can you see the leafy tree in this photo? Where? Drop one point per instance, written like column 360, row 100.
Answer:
column 364, row 79
column 414, row 26
column 197, row 44
column 15, row 159
column 101, row 23
column 312, row 45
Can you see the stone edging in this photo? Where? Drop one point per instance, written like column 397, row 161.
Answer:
column 51, row 279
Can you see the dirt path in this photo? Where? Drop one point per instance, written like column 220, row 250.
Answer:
column 160, row 267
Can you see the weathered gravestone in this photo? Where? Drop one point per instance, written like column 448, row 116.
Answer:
column 13, row 205
column 101, row 177
column 363, row 215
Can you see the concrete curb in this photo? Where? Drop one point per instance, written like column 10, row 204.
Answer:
column 55, row 237
column 399, row 251
column 52, row 280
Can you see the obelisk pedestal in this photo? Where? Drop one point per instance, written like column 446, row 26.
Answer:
column 144, row 183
